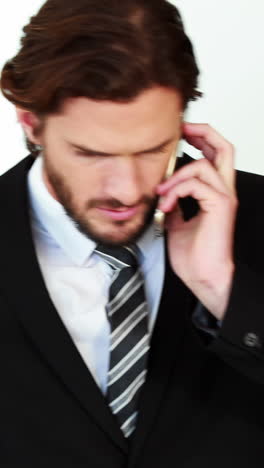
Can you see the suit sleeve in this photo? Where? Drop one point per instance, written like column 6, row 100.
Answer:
column 239, row 338
column 240, row 341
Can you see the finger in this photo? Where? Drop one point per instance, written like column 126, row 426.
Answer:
column 200, row 169
column 207, row 197
column 207, row 133
column 199, row 143
column 224, row 151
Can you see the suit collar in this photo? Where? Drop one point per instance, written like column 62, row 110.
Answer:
column 52, row 221
column 177, row 302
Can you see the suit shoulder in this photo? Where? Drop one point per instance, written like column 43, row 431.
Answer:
column 249, row 185
column 16, row 173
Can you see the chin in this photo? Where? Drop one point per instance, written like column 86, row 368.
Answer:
column 121, row 233
column 112, row 233
column 116, row 237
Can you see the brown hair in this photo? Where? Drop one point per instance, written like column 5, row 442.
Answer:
column 103, row 50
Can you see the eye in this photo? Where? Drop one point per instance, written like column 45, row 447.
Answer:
column 88, row 155
column 163, row 150
column 160, row 151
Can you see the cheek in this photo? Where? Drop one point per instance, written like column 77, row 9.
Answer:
column 83, row 187
column 153, row 172
column 76, row 184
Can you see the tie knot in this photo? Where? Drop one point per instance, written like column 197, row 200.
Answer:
column 119, row 257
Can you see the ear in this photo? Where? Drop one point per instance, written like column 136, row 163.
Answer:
column 28, row 121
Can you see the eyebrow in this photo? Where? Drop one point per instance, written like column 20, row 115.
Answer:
column 91, row 151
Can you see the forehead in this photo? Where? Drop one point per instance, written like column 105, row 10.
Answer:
column 152, row 117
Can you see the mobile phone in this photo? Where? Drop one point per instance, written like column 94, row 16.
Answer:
column 159, row 216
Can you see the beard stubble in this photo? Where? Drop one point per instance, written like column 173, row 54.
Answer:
column 82, row 222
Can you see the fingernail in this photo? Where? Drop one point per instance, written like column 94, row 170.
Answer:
column 160, row 204
column 163, row 207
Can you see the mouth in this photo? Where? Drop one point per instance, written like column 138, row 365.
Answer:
column 120, row 214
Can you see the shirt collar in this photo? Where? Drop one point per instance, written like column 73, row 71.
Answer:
column 51, row 218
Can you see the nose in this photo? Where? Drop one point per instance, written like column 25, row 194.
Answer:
column 123, row 181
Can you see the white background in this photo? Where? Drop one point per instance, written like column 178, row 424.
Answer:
column 228, row 37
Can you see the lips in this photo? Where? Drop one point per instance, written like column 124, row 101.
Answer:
column 120, row 215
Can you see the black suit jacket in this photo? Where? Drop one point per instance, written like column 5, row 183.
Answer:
column 202, row 404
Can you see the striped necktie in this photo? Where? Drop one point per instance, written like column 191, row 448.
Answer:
column 129, row 342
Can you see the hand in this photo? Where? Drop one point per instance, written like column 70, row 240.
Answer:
column 201, row 250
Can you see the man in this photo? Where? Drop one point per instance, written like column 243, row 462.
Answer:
column 119, row 347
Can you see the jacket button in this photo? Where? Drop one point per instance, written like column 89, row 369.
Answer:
column 252, row 340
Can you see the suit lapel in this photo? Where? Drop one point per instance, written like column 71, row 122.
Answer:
column 177, row 302
column 27, row 293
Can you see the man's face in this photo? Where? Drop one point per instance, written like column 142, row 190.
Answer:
column 111, row 197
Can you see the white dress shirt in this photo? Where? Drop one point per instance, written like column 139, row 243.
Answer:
column 78, row 280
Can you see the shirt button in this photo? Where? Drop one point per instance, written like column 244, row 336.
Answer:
column 252, row 340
